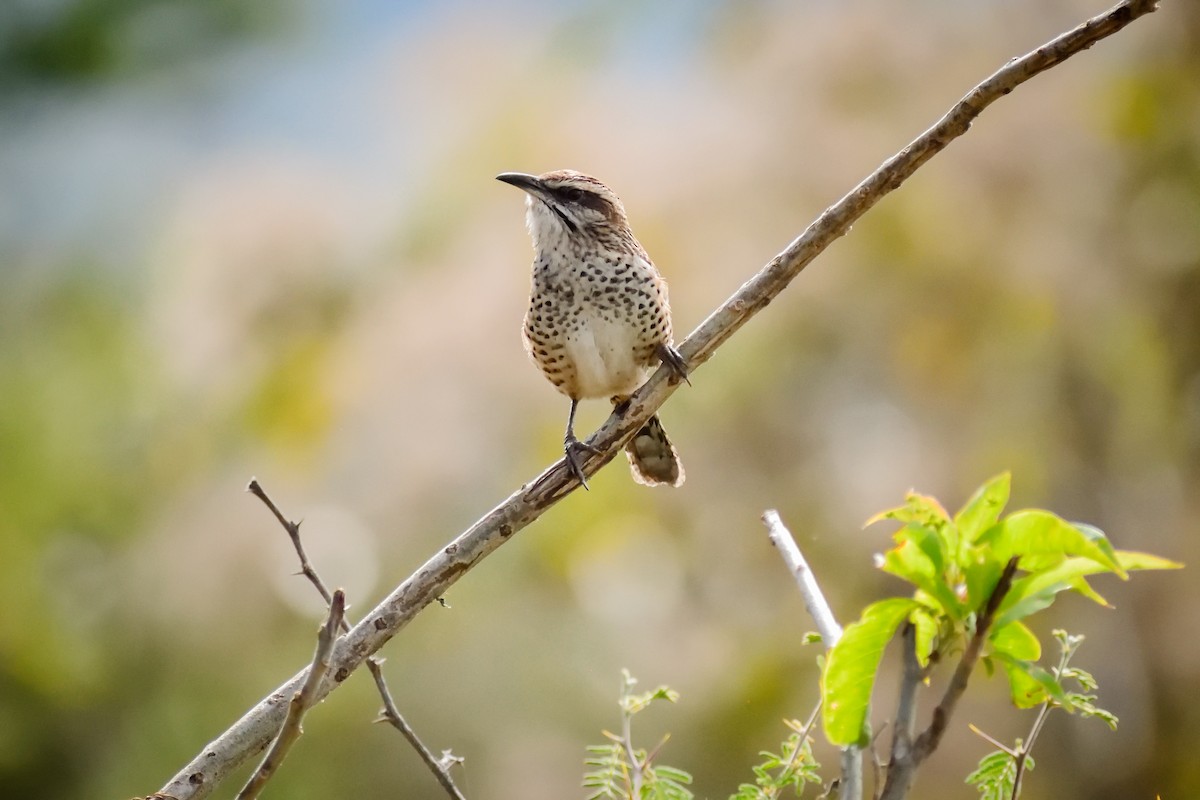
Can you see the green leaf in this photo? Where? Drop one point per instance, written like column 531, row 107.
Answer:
column 981, row 573
column 927, row 630
column 633, row 703
column 1081, row 586
column 995, row 775
column 917, row 508
column 1097, row 537
column 850, row 669
column 1016, row 641
column 907, row 561
column 1086, row 706
column 1011, row 612
column 607, row 779
column 1043, row 540
column 1032, row 593
column 1030, row 685
column 927, row 541
column 1081, row 676
column 1132, row 560
column 666, row 783
column 984, row 508
column 918, row 559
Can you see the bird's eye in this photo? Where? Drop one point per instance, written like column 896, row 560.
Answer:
column 571, row 194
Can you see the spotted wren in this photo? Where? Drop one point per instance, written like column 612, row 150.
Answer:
column 598, row 320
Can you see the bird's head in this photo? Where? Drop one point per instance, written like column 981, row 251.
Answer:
column 565, row 202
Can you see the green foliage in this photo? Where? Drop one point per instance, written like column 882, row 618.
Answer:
column 851, row 665
column 80, row 40
column 792, row 767
column 955, row 564
column 608, row 770
column 998, row 773
column 620, row 771
column 1083, row 702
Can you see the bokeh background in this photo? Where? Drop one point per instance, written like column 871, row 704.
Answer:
column 263, row 239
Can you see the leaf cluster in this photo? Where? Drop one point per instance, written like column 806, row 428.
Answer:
column 620, row 771
column 998, row 776
column 954, row 562
column 791, row 768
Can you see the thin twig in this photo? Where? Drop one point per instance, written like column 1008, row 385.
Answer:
column 1026, row 747
column 249, row 734
column 804, row 732
column 301, row 701
column 903, row 767
column 827, row 625
column 293, row 532
column 634, row 764
column 992, row 740
column 390, row 713
column 1021, row 757
column 653, row 754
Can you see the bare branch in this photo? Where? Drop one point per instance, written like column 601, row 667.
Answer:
column 814, row 600
column 293, row 532
column 827, row 625
column 905, row 722
column 249, row 734
column 390, row 714
column 301, row 701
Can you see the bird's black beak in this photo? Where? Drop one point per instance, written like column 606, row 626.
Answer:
column 530, row 183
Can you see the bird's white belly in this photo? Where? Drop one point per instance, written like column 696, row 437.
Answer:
column 602, row 354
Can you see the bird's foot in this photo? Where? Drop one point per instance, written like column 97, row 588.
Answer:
column 575, row 451
column 674, row 361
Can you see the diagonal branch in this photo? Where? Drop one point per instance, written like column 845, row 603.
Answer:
column 928, row 741
column 251, row 733
column 806, row 581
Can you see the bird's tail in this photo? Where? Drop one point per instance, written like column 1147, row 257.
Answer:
column 652, row 457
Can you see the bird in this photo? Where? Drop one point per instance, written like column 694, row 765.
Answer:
column 598, row 320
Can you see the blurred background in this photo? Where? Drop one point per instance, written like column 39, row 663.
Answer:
column 264, row 239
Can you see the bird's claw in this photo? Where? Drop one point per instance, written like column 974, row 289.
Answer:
column 572, row 448
column 674, row 361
